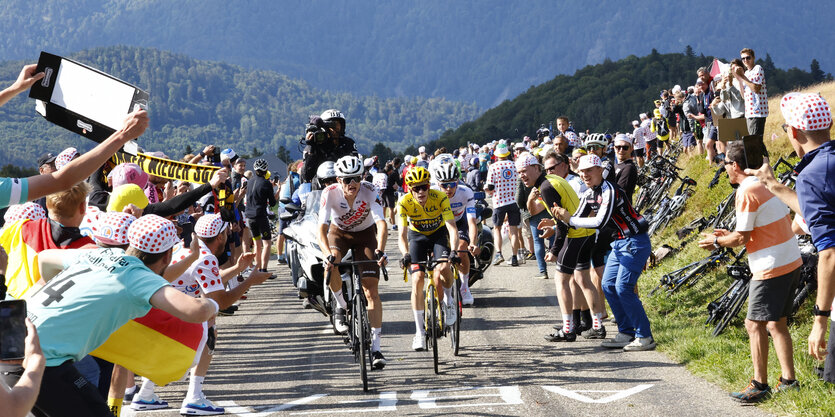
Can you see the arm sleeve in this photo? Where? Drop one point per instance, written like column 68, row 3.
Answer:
column 178, row 203
column 607, row 204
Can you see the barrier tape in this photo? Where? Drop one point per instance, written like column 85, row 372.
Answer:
column 166, row 168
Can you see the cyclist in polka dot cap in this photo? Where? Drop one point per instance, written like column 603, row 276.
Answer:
column 31, row 211
column 203, row 277
column 112, row 229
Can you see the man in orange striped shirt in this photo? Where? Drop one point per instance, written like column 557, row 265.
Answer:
column 763, row 225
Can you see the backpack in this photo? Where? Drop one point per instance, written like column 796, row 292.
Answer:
column 661, row 128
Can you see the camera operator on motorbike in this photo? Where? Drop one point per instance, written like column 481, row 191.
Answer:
column 344, row 223
column 446, row 178
column 423, row 214
column 325, row 141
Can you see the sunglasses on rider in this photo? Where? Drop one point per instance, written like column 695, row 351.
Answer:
column 348, row 180
column 622, row 147
column 420, row 188
column 449, row 185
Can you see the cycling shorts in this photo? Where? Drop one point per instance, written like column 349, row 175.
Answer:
column 575, row 254
column 601, row 249
column 420, row 245
column 389, row 199
column 362, row 244
column 260, row 227
column 463, row 229
column 639, row 153
column 514, row 216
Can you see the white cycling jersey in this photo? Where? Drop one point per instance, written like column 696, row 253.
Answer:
column 334, row 207
column 461, row 202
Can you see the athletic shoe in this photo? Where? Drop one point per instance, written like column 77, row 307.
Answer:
column 378, row 361
column 530, row 257
column 783, row 386
column 154, row 403
column 514, row 261
column 200, row 407
column 542, row 275
column 561, row 336
column 466, row 297
column 520, row 254
column 228, row 311
column 419, row 342
column 130, row 393
column 582, row 327
column 282, row 260
column 640, row 344
column 752, row 393
column 619, row 341
column 339, row 321
column 450, row 313
column 498, row 259
column 394, row 227
column 594, row 333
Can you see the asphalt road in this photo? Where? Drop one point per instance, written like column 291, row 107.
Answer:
column 275, row 358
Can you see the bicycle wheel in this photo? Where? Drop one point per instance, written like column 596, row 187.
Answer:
column 359, row 335
column 455, row 332
column 433, row 331
column 739, row 298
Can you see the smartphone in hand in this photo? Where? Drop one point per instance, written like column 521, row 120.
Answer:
column 12, row 329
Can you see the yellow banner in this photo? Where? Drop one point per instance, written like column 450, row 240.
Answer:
column 166, row 168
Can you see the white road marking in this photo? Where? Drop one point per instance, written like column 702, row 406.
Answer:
column 510, row 395
column 619, row 394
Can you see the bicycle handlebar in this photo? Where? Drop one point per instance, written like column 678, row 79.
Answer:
column 362, row 262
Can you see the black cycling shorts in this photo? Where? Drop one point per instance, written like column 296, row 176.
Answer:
column 463, row 229
column 514, row 216
column 260, row 227
column 575, row 254
column 390, row 199
column 638, row 152
column 601, row 249
column 420, row 245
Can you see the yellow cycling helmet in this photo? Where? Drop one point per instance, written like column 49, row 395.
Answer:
column 417, row 176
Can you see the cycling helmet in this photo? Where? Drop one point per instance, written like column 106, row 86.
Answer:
column 348, row 166
column 417, row 176
column 331, row 115
column 326, row 170
column 260, row 165
column 595, row 139
column 445, row 171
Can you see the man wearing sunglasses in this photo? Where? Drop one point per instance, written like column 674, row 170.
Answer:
column 596, row 144
column 626, row 173
column 423, row 213
column 350, row 211
column 754, row 91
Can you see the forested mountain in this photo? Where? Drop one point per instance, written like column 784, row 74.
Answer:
column 606, row 97
column 471, row 50
column 198, row 103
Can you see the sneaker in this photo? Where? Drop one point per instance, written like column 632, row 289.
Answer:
column 542, row 275
column 130, row 393
column 783, row 386
column 561, row 336
column 200, row 407
column 619, row 341
column 530, row 257
column 282, row 260
column 419, row 342
column 594, row 333
column 752, row 393
column 272, row 276
column 394, row 227
column 514, row 261
column 339, row 322
column 640, row 344
column 520, row 254
column 450, row 313
column 498, row 259
column 228, row 311
column 154, row 403
column 466, row 297
column 378, row 361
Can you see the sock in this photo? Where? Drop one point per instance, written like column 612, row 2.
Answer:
column 195, row 387
column 465, row 282
column 115, row 405
column 375, row 338
column 418, row 321
column 759, row 385
column 448, row 295
column 575, row 317
column 597, row 321
column 585, row 317
column 567, row 323
column 147, row 389
column 340, row 299
column 130, row 390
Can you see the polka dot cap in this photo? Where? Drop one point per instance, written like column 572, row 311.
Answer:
column 112, row 228
column 90, row 221
column 210, row 225
column 588, row 161
column 525, row 160
column 806, row 111
column 152, row 234
column 65, row 157
column 29, row 211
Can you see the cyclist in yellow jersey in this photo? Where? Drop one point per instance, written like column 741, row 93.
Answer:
column 423, row 213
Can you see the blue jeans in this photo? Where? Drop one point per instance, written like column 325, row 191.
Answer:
column 624, row 266
column 539, row 243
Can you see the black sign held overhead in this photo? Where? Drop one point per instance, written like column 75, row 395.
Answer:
column 84, row 100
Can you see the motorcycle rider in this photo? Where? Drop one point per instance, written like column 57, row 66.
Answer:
column 325, row 141
column 350, row 210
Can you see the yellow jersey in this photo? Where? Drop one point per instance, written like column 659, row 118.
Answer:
column 556, row 190
column 427, row 218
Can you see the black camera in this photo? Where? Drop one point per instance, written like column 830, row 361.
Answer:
column 318, row 128
column 214, row 157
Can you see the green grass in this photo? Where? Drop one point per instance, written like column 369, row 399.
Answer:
column 678, row 319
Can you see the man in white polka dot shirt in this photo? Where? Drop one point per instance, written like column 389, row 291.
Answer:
column 501, row 185
column 754, row 91
column 203, row 278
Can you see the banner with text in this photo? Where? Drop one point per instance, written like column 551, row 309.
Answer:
column 166, row 168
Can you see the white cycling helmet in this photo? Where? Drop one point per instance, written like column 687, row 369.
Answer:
column 445, row 171
column 595, row 139
column 326, row 170
column 348, row 166
column 333, row 114
column 260, row 165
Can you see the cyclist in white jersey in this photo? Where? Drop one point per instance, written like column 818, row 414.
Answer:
column 350, row 211
column 446, row 178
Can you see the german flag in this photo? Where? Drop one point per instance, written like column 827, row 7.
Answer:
column 157, row 346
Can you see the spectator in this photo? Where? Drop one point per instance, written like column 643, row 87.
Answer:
column 729, row 103
column 754, row 91
column 259, row 197
column 561, row 144
column 711, row 133
column 626, row 173
column 689, row 106
column 501, row 185
column 24, row 380
column 473, row 175
column 763, row 225
column 422, row 155
column 650, row 136
column 564, row 129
